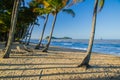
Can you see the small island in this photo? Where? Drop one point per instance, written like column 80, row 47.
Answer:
column 58, row 38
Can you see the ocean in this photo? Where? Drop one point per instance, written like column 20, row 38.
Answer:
column 99, row 46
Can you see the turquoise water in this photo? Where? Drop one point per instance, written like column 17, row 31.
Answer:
column 100, row 46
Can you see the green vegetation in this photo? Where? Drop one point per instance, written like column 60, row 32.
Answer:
column 15, row 26
column 58, row 38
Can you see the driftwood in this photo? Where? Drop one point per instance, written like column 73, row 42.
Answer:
column 19, row 50
column 28, row 48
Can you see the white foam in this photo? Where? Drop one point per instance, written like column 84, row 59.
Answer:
column 67, row 44
column 79, row 48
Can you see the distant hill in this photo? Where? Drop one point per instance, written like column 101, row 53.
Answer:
column 59, row 38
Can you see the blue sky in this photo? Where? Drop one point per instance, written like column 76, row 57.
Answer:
column 79, row 27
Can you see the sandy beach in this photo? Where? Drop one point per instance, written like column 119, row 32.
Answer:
column 58, row 64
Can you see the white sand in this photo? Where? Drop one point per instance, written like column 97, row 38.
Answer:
column 58, row 65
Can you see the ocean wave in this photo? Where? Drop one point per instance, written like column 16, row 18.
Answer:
column 79, row 48
column 67, row 43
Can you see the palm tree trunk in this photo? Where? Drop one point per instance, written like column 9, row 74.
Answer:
column 49, row 40
column 27, row 33
column 6, row 38
column 30, row 34
column 12, row 29
column 86, row 60
column 23, row 35
column 46, row 20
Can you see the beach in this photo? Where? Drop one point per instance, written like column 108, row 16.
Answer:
column 58, row 64
column 59, row 40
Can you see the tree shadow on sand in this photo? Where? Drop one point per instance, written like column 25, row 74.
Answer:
column 68, row 74
column 41, row 66
column 66, row 66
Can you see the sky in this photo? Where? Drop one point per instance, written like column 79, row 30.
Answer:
column 79, row 27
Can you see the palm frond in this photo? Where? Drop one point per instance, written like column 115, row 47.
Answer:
column 74, row 2
column 1, row 22
column 69, row 11
column 100, row 5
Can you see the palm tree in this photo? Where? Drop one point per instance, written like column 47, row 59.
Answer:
column 85, row 61
column 30, row 33
column 27, row 33
column 22, row 22
column 46, row 20
column 49, row 40
column 57, row 6
column 5, row 16
column 12, row 29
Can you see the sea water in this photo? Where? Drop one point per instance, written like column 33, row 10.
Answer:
column 99, row 46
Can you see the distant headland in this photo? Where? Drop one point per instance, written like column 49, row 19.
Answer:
column 58, row 38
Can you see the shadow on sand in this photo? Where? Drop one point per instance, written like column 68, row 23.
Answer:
column 68, row 74
column 11, row 67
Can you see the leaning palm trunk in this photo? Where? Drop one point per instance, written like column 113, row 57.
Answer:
column 27, row 33
column 49, row 40
column 46, row 20
column 23, row 35
column 12, row 29
column 86, row 60
column 30, row 34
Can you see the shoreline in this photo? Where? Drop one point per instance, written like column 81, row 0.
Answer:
column 109, row 53
column 56, row 48
column 58, row 64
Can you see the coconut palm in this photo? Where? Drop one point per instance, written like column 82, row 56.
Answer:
column 57, row 6
column 5, row 16
column 46, row 20
column 45, row 8
column 30, row 32
column 49, row 40
column 85, row 61
column 29, row 21
column 48, row 7
column 12, row 29
column 32, row 27
column 22, row 23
